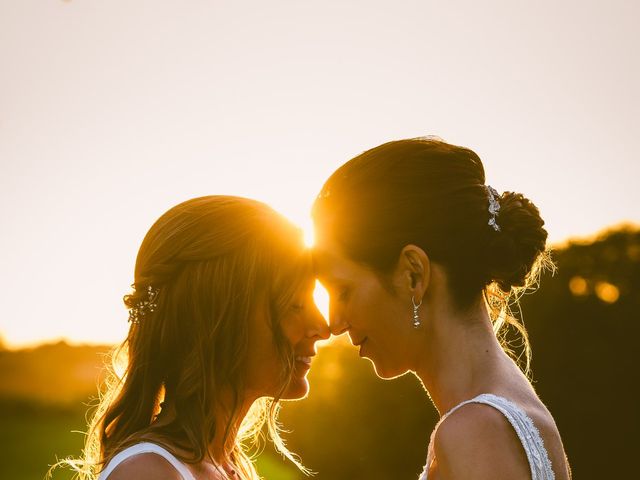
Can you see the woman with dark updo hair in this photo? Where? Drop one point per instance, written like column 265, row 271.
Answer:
column 421, row 259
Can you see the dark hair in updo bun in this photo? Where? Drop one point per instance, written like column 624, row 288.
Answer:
column 432, row 194
column 512, row 253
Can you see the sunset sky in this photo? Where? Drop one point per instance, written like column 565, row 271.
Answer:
column 113, row 111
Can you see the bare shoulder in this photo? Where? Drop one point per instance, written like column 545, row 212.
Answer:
column 548, row 430
column 145, row 466
column 478, row 442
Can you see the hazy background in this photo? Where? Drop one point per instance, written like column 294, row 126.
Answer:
column 113, row 111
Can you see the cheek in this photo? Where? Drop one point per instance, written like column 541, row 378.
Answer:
column 372, row 309
column 268, row 364
column 266, row 373
column 263, row 363
column 292, row 327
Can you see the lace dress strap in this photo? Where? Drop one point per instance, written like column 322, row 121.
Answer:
column 146, row 447
column 525, row 429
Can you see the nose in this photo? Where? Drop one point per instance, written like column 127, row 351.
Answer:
column 337, row 325
column 318, row 327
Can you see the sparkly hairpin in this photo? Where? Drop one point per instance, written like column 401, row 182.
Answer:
column 140, row 309
column 494, row 207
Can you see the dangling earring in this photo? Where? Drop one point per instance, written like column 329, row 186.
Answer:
column 416, row 317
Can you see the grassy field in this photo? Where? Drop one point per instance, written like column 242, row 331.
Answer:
column 33, row 436
column 42, row 411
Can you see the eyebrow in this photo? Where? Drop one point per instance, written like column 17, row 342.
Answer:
column 332, row 281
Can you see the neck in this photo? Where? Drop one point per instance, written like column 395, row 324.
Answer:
column 228, row 424
column 462, row 357
column 221, row 448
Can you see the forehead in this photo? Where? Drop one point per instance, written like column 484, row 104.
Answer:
column 331, row 263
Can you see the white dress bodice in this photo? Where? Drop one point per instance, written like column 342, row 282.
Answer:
column 146, row 447
column 525, row 429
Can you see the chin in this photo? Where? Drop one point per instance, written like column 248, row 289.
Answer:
column 298, row 388
column 387, row 372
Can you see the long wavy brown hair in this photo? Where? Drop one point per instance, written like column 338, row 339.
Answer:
column 214, row 261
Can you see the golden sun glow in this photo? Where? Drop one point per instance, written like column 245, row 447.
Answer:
column 250, row 112
column 320, row 294
column 321, row 297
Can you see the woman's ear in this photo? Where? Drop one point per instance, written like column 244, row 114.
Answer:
column 413, row 271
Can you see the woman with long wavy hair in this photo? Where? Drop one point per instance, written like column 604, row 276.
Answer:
column 223, row 325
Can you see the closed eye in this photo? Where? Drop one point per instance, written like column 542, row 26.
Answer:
column 343, row 294
column 336, row 291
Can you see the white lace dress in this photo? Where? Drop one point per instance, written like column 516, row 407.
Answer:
column 145, row 447
column 522, row 424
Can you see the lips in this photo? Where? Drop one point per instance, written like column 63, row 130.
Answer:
column 305, row 360
column 358, row 343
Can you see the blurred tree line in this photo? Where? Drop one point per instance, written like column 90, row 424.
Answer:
column 583, row 325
